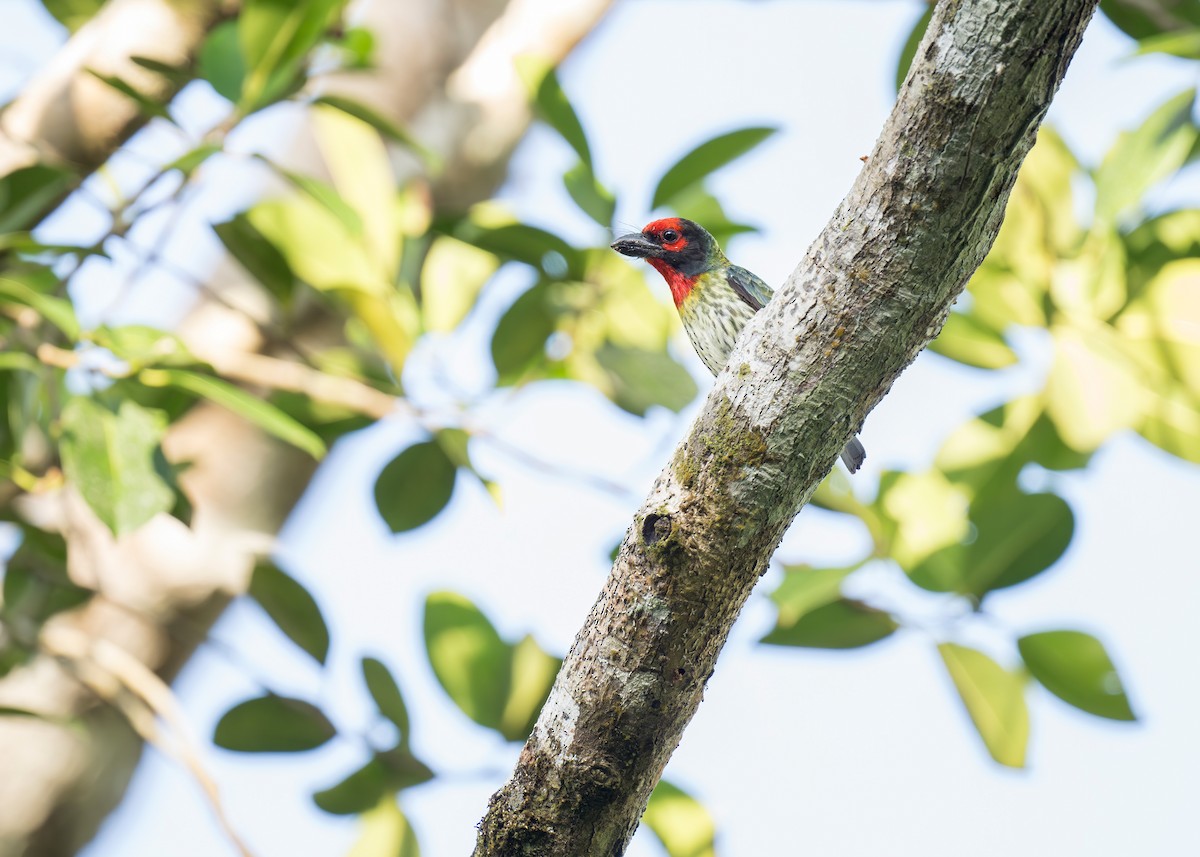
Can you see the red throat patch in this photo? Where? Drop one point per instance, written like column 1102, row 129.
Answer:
column 681, row 284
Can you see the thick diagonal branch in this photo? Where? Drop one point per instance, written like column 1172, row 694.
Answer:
column 872, row 291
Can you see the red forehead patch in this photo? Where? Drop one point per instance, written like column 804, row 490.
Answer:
column 658, row 227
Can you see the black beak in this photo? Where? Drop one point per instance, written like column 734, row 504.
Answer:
column 637, row 245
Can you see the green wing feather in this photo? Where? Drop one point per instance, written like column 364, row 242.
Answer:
column 749, row 287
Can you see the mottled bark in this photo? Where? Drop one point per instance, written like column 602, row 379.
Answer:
column 164, row 585
column 871, row 292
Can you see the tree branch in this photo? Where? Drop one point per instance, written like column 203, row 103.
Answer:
column 872, row 291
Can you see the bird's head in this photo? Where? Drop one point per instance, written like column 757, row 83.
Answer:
column 672, row 243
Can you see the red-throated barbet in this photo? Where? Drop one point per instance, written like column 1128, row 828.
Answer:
column 715, row 298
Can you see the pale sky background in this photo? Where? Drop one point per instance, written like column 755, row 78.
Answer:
column 793, row 751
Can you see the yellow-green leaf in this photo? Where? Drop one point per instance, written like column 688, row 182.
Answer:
column 995, row 701
column 681, row 823
column 1075, row 667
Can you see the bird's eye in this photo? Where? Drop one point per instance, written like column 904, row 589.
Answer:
column 670, row 236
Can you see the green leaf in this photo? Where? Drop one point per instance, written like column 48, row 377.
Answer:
column 176, row 75
column 595, row 200
column 273, row 724
column 521, row 334
column 705, row 159
column 356, row 793
column 529, row 244
column 275, row 37
column 403, row 770
column 317, row 245
column 324, row 195
column 145, row 103
column 73, row 14
column 190, row 161
column 995, row 700
column 251, row 408
column 1143, row 18
column 533, row 674
column 292, row 608
column 471, row 662
column 111, row 459
column 681, row 823
column 386, row 693
column 643, row 378
column 385, row 833
column 386, row 127
column 27, row 193
column 909, row 51
column 452, row 276
column 258, row 256
column 1184, row 44
column 968, row 340
column 415, row 486
column 1075, row 667
column 57, row 311
column 140, row 346
column 1094, row 390
column 1141, row 158
column 841, row 624
column 221, row 62
column 696, row 203
column 554, row 108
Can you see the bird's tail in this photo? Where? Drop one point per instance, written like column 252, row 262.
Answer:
column 854, row 455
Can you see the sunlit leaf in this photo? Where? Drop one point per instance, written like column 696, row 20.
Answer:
column 1075, row 667
column 471, row 662
column 681, row 823
column 251, row 408
column 705, row 159
column 292, row 608
column 110, row 458
column 968, row 340
column 995, row 700
column 275, row 36
column 415, row 486
column 326, row 196
column 273, row 724
column 451, row 278
column 1142, row 157
column 317, row 245
column 533, row 672
column 929, row 513
column 1184, row 44
column 73, row 14
column 385, row 833
column 58, row 311
column 1093, row 390
column 378, row 121
column 146, row 104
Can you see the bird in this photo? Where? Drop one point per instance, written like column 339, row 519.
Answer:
column 715, row 298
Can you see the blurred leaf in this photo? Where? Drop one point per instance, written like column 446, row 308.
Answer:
column 402, row 769
column 705, row 159
column 110, row 459
column 909, row 51
column 415, row 486
column 275, row 36
column 595, row 200
column 1173, row 424
column 292, row 608
column 681, row 823
column 58, row 311
column 147, row 105
column 533, row 674
column 25, row 194
column 36, row 586
column 968, row 340
column 358, row 45
column 317, row 245
column 471, row 662
column 696, row 203
column 190, row 161
column 386, row 693
column 521, row 334
column 995, row 700
column 356, row 793
column 840, row 624
column 273, row 724
column 324, row 195
column 642, row 379
column 221, row 62
column 251, row 408
column 1141, row 158
column 140, row 345
column 261, row 259
column 929, row 513
column 1143, row 18
column 452, row 276
column 73, row 14
column 529, row 244
column 553, row 107
column 1075, row 667
column 389, row 129
column 1092, row 283
column 1093, row 390
column 385, row 833
column 177, row 75
column 1184, row 44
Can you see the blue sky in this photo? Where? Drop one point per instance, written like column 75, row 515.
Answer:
column 843, row 753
